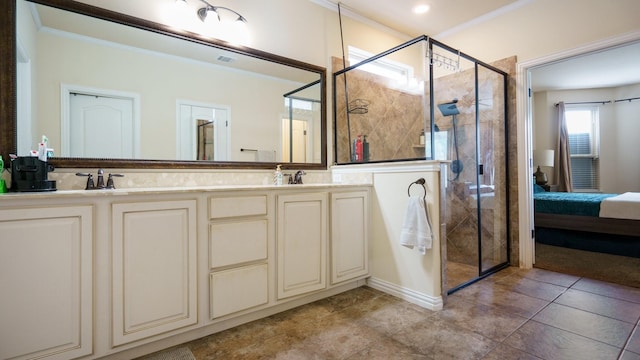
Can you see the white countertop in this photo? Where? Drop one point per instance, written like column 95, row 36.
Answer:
column 169, row 190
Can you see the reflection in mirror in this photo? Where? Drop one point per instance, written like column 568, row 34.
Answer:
column 103, row 90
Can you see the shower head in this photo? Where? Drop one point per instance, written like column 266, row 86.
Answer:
column 450, row 108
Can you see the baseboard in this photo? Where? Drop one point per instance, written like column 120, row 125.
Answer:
column 412, row 296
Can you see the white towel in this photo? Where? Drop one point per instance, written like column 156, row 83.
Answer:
column 416, row 229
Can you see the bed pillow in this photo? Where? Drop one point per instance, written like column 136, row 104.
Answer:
column 537, row 188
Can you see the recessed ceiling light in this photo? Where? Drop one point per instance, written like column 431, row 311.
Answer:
column 420, row 9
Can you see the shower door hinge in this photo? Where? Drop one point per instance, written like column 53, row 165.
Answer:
column 529, row 92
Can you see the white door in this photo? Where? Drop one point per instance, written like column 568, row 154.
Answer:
column 101, row 127
column 202, row 132
column 297, row 137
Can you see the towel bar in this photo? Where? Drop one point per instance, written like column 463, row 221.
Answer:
column 418, row 182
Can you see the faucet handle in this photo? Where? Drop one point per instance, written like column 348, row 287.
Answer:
column 110, row 184
column 90, row 185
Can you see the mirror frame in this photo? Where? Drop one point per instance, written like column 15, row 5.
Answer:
column 8, row 91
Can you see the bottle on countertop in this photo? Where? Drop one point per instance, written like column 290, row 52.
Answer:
column 365, row 149
column 359, row 149
column 422, row 140
column 3, row 185
column 277, row 176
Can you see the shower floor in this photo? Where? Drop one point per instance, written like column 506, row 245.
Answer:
column 458, row 273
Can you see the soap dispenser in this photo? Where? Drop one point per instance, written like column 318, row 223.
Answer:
column 277, row 176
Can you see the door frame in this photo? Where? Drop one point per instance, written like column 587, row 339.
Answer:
column 191, row 136
column 308, row 119
column 65, row 112
column 524, row 134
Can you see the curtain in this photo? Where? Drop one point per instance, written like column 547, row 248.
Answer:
column 563, row 167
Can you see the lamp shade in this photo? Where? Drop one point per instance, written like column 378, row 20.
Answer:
column 543, row 157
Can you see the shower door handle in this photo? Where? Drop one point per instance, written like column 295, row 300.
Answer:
column 481, row 169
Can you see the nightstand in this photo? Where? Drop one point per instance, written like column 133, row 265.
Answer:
column 550, row 188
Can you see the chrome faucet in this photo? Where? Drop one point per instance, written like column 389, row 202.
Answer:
column 100, row 183
column 297, row 178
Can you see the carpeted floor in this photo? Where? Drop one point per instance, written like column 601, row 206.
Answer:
column 611, row 268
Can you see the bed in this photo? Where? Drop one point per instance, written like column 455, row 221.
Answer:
column 608, row 223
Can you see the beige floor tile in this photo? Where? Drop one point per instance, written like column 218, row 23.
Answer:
column 487, row 320
column 551, row 277
column 533, row 288
column 608, row 289
column 503, row 352
column 491, row 293
column 504, row 316
column 443, row 340
column 634, row 341
column 602, row 305
column 387, row 348
column 550, row 343
column 597, row 327
column 628, row 355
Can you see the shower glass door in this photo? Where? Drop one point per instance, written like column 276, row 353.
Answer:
column 492, row 174
column 469, row 101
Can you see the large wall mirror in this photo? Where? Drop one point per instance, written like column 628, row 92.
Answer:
column 112, row 90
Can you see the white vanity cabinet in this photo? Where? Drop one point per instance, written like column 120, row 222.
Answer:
column 349, row 235
column 46, row 282
column 123, row 273
column 301, row 243
column 238, row 253
column 154, row 272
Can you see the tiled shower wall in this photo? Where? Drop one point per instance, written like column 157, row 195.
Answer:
column 392, row 123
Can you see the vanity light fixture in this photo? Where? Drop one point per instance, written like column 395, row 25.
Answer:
column 211, row 10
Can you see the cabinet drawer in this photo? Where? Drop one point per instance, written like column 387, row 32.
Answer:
column 232, row 206
column 237, row 242
column 238, row 289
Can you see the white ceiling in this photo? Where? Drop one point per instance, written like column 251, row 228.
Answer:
column 611, row 68
column 443, row 15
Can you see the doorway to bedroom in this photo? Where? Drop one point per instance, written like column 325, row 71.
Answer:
column 599, row 170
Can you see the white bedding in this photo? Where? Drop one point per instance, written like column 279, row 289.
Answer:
column 623, row 206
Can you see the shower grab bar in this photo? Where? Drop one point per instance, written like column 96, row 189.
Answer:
column 418, row 182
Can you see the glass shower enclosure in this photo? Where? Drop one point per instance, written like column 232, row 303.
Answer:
column 424, row 100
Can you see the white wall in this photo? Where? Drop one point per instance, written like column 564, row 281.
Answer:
column 540, row 27
column 396, row 269
column 627, row 172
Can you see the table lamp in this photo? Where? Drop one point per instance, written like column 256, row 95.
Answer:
column 542, row 158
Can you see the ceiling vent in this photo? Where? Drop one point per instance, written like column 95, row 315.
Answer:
column 226, row 59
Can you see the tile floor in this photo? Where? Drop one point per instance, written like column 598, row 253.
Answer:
column 514, row 314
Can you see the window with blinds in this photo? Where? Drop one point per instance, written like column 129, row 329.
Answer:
column 584, row 145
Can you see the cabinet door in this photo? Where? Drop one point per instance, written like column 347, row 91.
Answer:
column 349, row 235
column 46, row 278
column 154, row 268
column 301, row 243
